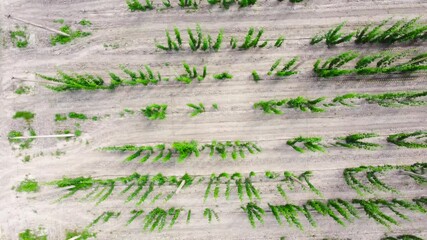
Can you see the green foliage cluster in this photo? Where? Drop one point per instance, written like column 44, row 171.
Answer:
column 189, row 4
column 27, row 116
column 291, row 179
column 311, row 143
column 191, row 74
column 354, row 141
column 197, row 40
column 19, row 37
column 209, row 213
column 23, row 90
column 400, row 139
column 197, row 109
column 402, row 237
column 222, row 76
column 414, row 171
column 79, row 235
column 243, row 184
column 251, row 41
column 29, row 234
column 105, row 217
column 253, row 212
column 183, row 150
column 377, row 63
column 299, row 103
column 287, row 70
column 28, row 185
column 73, row 34
column 333, row 36
column 136, row 5
column 155, row 111
column 101, row 189
column 135, row 78
column 75, row 115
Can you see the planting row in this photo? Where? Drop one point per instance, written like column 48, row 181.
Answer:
column 148, row 5
column 140, row 188
column 378, row 63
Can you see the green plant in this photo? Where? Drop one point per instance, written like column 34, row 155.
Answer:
column 171, row 44
column 73, row 81
column 279, row 41
column 197, row 109
column 23, row 90
column 400, row 139
column 79, row 235
column 253, row 211
column 384, row 64
column 75, row 115
column 353, row 141
column 19, row 37
column 252, row 42
column 246, row 3
column 73, row 34
column 60, row 117
column 189, row 3
column 375, row 183
column 401, row 31
column 286, row 70
column 209, row 213
column 145, row 78
column 191, row 74
column 300, row 103
column 155, row 111
column 242, row 185
column 156, row 218
column 136, row 5
column 215, row 106
column 85, row 22
column 224, row 75
column 28, row 185
column 105, row 217
column 27, row 116
column 255, row 76
column 333, row 36
column 23, row 143
column 32, row 235
column 311, row 143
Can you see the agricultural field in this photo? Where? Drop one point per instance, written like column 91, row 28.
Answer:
column 232, row 119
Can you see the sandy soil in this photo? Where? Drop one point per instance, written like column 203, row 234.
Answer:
column 135, row 34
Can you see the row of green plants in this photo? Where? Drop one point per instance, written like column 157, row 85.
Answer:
column 184, row 150
column 147, row 5
column 385, row 62
column 73, row 81
column 143, row 188
column 401, row 31
column 199, row 40
column 304, row 104
column 353, row 176
column 330, row 68
column 417, row 139
column 339, row 210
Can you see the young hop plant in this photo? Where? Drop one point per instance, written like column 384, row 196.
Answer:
column 389, row 99
column 243, row 185
column 287, row 70
column 191, row 74
column 155, row 111
column 252, row 41
column 310, row 143
column 253, row 212
column 157, row 218
column 291, row 179
column 136, row 5
column 73, row 34
column 354, row 141
column 333, row 36
column 415, row 171
column 197, row 109
column 209, row 214
column 19, row 37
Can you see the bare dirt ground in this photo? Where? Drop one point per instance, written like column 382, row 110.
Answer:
column 236, row 120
